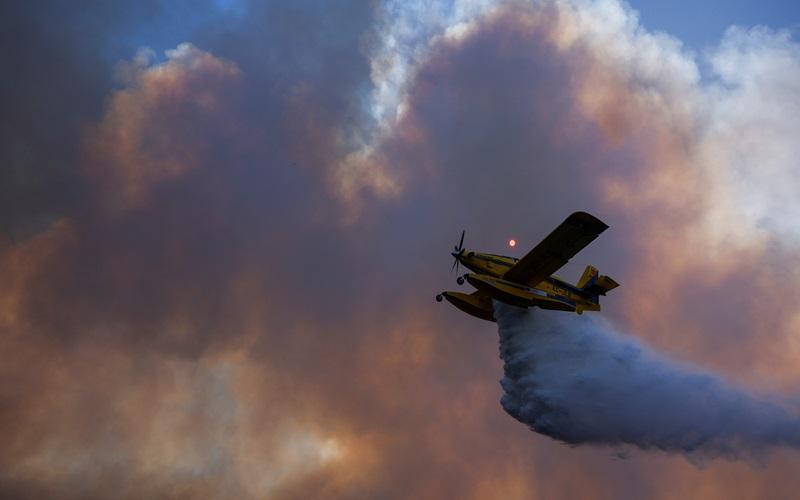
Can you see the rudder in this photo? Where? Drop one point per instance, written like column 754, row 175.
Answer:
column 595, row 283
column 589, row 276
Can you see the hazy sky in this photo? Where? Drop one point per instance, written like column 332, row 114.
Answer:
column 223, row 223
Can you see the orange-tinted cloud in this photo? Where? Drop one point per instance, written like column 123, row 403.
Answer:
column 201, row 324
column 153, row 131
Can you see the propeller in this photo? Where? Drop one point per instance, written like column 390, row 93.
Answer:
column 457, row 251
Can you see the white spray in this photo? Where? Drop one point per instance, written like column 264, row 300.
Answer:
column 575, row 379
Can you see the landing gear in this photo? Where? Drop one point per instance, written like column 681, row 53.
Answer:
column 460, row 280
column 439, row 298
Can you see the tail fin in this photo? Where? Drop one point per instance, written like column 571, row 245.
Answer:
column 595, row 283
column 588, row 278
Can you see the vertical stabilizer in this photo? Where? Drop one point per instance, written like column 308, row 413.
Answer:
column 589, row 277
column 595, row 283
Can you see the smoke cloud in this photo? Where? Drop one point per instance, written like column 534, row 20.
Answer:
column 222, row 224
column 575, row 379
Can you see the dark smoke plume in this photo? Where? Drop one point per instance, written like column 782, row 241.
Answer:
column 575, row 379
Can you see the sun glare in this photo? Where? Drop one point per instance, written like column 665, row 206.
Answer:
column 512, row 243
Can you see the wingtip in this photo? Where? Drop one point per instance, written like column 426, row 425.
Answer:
column 588, row 220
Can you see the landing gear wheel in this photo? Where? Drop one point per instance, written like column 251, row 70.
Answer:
column 460, row 280
column 439, row 298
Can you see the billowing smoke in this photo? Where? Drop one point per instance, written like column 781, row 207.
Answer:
column 576, row 379
column 222, row 224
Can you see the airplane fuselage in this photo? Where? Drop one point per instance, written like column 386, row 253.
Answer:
column 551, row 293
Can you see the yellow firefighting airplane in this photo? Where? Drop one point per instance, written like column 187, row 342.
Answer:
column 527, row 282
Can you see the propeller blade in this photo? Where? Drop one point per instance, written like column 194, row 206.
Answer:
column 457, row 251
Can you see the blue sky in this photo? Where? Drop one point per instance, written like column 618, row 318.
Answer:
column 700, row 24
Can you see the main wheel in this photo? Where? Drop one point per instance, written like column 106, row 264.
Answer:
column 460, row 280
column 439, row 298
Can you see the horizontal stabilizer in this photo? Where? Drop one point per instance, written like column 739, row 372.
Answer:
column 601, row 285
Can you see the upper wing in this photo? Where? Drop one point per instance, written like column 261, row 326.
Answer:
column 577, row 231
